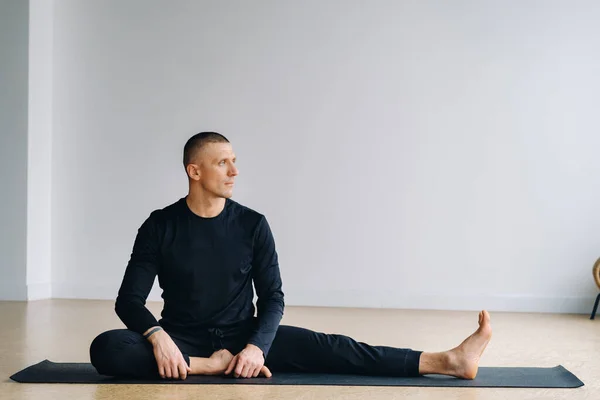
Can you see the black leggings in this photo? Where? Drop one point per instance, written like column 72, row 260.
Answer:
column 125, row 353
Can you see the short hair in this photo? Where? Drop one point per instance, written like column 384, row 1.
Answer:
column 196, row 142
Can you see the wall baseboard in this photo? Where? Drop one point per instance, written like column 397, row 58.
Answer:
column 389, row 299
column 11, row 291
column 39, row 291
column 377, row 299
column 95, row 292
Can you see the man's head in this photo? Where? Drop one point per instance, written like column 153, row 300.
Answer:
column 209, row 161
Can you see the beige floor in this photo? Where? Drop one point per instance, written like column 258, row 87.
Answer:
column 61, row 330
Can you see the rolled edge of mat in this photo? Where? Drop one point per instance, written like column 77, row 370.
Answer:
column 16, row 376
column 577, row 382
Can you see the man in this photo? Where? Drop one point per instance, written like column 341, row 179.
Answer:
column 207, row 250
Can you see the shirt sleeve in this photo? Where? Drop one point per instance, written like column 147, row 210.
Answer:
column 139, row 277
column 267, row 281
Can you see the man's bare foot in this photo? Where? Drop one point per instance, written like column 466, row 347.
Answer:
column 220, row 360
column 463, row 361
column 216, row 364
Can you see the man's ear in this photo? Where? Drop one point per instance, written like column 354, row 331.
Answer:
column 193, row 171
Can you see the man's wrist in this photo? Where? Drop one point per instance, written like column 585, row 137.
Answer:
column 254, row 347
column 152, row 333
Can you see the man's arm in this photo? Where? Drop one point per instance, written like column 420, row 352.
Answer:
column 130, row 306
column 267, row 281
column 138, row 280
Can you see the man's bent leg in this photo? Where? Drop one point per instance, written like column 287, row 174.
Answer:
column 124, row 353
column 121, row 352
column 302, row 350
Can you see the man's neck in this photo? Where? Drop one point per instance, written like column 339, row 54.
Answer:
column 205, row 207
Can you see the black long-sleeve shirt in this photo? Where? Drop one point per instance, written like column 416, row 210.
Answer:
column 205, row 267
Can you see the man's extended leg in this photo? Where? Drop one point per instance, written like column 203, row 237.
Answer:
column 302, row 350
column 298, row 349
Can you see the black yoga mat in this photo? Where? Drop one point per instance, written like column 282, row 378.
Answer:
column 557, row 377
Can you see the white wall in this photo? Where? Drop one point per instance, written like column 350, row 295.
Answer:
column 13, row 148
column 407, row 154
column 25, row 149
column 39, row 163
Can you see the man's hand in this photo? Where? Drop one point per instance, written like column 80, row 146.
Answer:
column 249, row 363
column 169, row 359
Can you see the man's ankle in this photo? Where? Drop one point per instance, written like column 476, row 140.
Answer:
column 202, row 366
column 434, row 363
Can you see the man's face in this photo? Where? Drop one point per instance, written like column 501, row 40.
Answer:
column 216, row 169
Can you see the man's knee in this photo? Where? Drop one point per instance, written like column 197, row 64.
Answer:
column 106, row 348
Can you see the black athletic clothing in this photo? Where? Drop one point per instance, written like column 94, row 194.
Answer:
column 124, row 353
column 205, row 267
